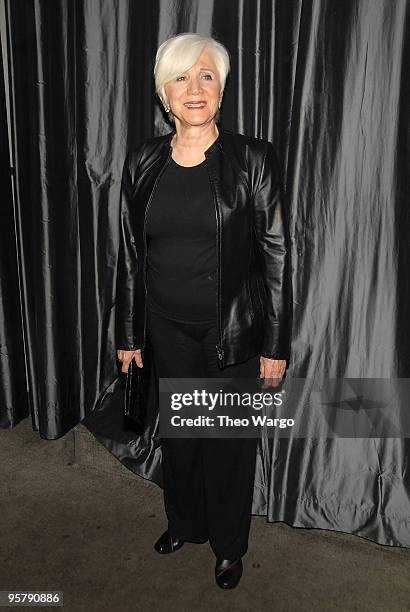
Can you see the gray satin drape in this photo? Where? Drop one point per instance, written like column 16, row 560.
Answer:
column 327, row 83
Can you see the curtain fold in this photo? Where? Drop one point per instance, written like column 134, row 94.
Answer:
column 327, row 83
column 14, row 398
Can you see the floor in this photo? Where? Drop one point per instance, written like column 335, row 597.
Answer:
column 73, row 519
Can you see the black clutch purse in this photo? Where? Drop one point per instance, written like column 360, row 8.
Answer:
column 136, row 397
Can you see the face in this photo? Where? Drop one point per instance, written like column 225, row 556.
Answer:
column 194, row 95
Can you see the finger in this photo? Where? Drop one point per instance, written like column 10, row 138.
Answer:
column 261, row 368
column 274, row 371
column 271, row 382
column 138, row 359
column 275, row 376
column 125, row 366
column 267, row 383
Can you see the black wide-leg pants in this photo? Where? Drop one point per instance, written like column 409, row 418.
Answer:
column 208, row 482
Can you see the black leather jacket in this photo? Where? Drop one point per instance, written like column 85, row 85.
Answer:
column 252, row 239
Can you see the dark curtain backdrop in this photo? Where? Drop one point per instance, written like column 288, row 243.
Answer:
column 327, row 82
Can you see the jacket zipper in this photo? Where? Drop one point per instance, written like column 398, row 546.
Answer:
column 145, row 244
column 251, row 308
column 219, row 349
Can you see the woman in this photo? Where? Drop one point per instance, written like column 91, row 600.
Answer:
column 203, row 280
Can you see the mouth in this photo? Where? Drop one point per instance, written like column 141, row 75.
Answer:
column 198, row 104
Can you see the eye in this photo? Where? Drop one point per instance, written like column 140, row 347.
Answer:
column 208, row 75
column 180, row 77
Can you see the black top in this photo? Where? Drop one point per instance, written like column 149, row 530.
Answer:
column 181, row 239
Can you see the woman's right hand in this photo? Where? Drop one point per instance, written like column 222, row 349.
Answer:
column 126, row 357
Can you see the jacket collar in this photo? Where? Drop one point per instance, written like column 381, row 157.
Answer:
column 217, row 144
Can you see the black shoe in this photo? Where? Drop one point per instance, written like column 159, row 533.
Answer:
column 167, row 543
column 228, row 573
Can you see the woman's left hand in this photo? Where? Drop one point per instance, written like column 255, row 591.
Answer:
column 272, row 371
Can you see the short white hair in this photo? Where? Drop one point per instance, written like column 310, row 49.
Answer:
column 179, row 53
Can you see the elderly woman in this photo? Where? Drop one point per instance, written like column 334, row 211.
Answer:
column 203, row 280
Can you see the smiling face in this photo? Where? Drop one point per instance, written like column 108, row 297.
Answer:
column 194, row 95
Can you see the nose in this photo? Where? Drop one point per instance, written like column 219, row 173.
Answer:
column 194, row 85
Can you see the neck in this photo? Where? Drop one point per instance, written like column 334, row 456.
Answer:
column 194, row 136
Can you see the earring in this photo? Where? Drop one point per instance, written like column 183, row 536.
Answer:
column 167, row 108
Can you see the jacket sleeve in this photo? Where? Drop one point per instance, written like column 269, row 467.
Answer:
column 127, row 266
column 273, row 241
